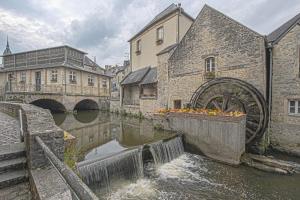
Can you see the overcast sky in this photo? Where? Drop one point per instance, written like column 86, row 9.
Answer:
column 102, row 27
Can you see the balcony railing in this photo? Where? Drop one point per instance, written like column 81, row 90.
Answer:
column 69, row 89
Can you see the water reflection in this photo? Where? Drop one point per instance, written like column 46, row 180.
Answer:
column 100, row 134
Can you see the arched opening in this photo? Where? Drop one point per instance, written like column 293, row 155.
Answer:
column 86, row 117
column 86, row 104
column 50, row 104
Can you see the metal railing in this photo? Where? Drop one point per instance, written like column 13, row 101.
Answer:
column 78, row 188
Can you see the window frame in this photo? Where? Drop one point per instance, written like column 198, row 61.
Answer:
column 54, row 75
column 72, row 77
column 160, row 35
column 104, row 83
column 138, row 47
column 296, row 107
column 23, row 76
column 177, row 102
column 212, row 64
column 90, row 80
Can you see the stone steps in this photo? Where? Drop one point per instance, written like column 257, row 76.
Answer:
column 12, row 151
column 12, row 178
column 12, row 165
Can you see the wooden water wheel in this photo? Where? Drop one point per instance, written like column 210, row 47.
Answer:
column 229, row 94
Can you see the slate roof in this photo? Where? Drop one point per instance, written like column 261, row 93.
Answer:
column 168, row 11
column 135, row 77
column 167, row 49
column 276, row 35
column 151, row 77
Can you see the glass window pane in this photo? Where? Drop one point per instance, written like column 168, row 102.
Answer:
column 298, row 107
column 292, row 107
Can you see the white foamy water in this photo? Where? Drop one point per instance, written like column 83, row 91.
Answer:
column 142, row 189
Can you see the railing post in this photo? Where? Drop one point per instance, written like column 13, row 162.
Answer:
column 21, row 126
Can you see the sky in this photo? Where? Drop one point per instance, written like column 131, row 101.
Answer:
column 102, row 27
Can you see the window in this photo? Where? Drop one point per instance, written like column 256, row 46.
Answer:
column 177, row 104
column 90, row 80
column 54, row 75
column 138, row 47
column 160, row 35
column 72, row 77
column 104, row 84
column 23, row 77
column 210, row 64
column 294, row 107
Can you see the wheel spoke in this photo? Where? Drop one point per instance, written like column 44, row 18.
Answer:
column 216, row 104
column 225, row 102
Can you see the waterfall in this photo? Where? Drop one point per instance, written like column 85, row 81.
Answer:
column 165, row 151
column 127, row 164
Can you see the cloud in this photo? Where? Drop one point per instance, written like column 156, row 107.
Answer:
column 102, row 28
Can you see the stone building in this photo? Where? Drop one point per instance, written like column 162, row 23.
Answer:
column 139, row 88
column 284, row 56
column 220, row 58
column 56, row 72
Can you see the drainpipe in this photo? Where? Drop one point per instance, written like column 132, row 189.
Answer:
column 178, row 16
column 270, row 49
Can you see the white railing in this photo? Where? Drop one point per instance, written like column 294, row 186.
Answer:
column 69, row 89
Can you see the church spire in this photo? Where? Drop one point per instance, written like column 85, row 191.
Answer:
column 7, row 50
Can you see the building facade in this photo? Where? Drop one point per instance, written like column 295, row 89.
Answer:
column 139, row 88
column 61, row 71
column 263, row 73
column 284, row 56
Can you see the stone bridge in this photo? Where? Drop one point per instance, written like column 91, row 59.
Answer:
column 60, row 102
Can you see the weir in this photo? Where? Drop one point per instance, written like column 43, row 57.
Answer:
column 128, row 164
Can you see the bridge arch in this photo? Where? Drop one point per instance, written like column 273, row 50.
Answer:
column 86, row 104
column 51, row 104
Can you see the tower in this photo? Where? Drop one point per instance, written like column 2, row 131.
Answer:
column 7, row 50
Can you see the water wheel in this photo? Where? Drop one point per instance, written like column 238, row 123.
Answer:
column 229, row 94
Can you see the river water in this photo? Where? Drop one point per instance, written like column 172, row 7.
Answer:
column 187, row 177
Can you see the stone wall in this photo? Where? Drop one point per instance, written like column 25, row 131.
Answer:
column 220, row 138
column 115, row 105
column 148, row 106
column 285, row 128
column 45, row 182
column 238, row 51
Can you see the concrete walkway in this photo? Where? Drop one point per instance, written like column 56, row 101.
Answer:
column 9, row 129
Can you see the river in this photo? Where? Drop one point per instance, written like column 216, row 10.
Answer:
column 187, row 177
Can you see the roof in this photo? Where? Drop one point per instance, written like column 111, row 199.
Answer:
column 89, row 62
column 151, row 77
column 135, row 77
column 165, row 13
column 167, row 49
column 47, row 49
column 276, row 35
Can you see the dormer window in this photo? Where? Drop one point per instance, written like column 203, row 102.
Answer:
column 210, row 64
column 138, row 47
column 160, row 35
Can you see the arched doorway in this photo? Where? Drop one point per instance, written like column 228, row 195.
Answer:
column 50, row 104
column 230, row 94
column 86, row 104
